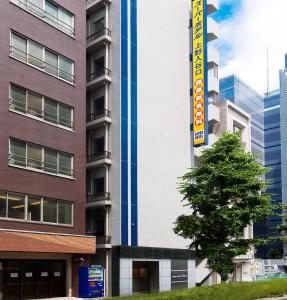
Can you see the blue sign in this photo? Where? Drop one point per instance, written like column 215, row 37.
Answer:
column 91, row 282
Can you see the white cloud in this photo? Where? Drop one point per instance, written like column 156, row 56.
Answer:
column 258, row 25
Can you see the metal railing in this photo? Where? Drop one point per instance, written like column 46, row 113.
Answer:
column 98, row 34
column 28, row 162
column 98, row 197
column 103, row 240
column 45, row 16
column 40, row 113
column 99, row 73
column 98, row 156
column 100, row 239
column 99, row 114
column 44, row 66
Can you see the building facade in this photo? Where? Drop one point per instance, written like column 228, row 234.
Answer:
column 272, row 149
column 42, row 148
column 137, row 104
column 235, row 90
column 283, row 125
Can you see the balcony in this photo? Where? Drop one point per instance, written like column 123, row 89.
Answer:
column 213, row 114
column 98, row 159
column 98, row 118
column 99, row 78
column 213, row 84
column 98, row 39
column 94, row 5
column 213, row 55
column 212, row 6
column 96, row 200
column 212, row 29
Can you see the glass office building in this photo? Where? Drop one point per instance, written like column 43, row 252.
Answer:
column 234, row 89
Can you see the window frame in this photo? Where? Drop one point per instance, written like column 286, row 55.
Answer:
column 42, row 170
column 42, row 118
column 43, row 69
column 26, row 219
column 42, row 15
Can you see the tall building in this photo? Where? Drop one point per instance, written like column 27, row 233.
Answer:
column 272, row 153
column 235, row 90
column 283, row 126
column 266, row 142
column 42, row 148
column 138, row 141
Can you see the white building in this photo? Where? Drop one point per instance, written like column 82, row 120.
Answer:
column 138, row 141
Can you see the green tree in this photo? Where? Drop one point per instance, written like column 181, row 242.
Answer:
column 224, row 195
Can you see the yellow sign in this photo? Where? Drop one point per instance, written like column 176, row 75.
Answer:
column 199, row 74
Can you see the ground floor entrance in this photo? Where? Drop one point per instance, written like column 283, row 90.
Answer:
column 32, row 279
column 145, row 277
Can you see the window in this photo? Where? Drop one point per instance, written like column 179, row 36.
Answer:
column 65, row 164
column 32, row 208
column 38, row 56
column 51, row 111
column 99, row 25
column 99, row 186
column 30, row 103
column 64, row 212
column 17, row 153
column 16, row 206
column 19, row 47
column 237, row 128
column 51, row 65
column 3, row 204
column 99, row 145
column 34, row 156
column 65, row 115
column 18, row 98
column 39, row 158
column 49, row 210
column 50, row 161
column 66, row 68
column 49, row 12
column 34, row 104
column 35, row 54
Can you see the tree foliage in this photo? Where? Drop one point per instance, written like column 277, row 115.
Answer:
column 224, row 195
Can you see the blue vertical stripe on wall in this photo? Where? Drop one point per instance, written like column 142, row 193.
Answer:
column 134, row 116
column 124, row 122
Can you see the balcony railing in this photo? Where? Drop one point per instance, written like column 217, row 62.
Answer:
column 98, row 197
column 40, row 64
column 45, row 16
column 100, row 239
column 98, row 156
column 99, row 73
column 98, row 34
column 99, row 114
column 42, row 114
column 30, row 163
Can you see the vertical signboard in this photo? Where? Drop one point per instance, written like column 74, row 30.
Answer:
column 199, row 72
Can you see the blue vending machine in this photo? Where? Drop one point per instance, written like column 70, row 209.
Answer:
column 91, row 282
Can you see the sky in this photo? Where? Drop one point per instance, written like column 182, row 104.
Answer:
column 247, row 29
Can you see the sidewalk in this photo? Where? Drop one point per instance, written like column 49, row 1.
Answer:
column 280, row 298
